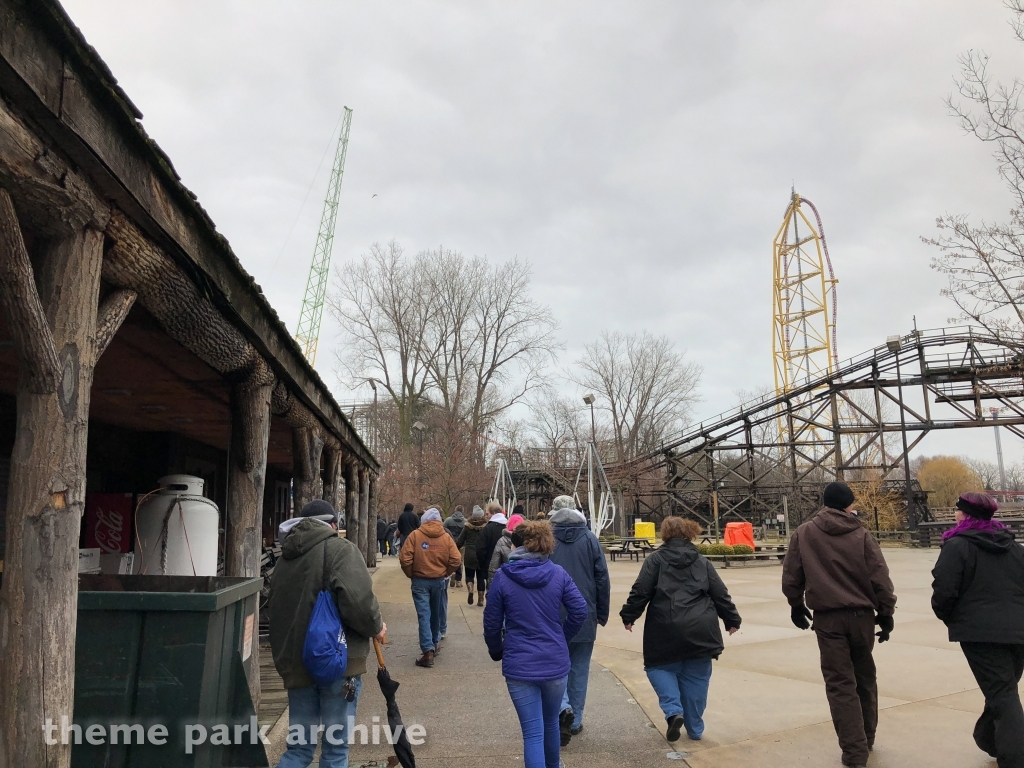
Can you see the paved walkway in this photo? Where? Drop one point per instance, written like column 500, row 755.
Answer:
column 767, row 705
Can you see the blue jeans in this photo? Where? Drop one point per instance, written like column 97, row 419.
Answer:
column 579, row 675
column 538, row 705
column 444, row 610
column 310, row 708
column 428, row 597
column 682, row 689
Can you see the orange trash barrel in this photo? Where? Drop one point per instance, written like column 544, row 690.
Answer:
column 739, row 533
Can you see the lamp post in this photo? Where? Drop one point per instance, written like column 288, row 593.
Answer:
column 589, row 400
column 373, row 385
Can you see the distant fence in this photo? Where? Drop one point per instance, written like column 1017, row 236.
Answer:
column 930, row 534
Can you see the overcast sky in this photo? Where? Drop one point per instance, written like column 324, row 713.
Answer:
column 639, row 154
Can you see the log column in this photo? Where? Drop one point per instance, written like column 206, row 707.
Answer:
column 352, row 501
column 307, row 446
column 250, row 434
column 365, row 534
column 371, row 558
column 332, row 476
column 59, row 331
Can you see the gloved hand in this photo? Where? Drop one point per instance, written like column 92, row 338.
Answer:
column 496, row 655
column 886, row 624
column 800, row 616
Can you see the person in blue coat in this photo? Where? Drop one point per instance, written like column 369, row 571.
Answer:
column 579, row 552
column 525, row 630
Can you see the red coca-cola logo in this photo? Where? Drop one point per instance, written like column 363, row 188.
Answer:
column 109, row 531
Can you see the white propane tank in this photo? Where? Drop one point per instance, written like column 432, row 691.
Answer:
column 178, row 530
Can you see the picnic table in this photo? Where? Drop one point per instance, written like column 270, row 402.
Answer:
column 631, row 547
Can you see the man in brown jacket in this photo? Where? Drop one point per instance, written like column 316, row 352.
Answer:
column 428, row 557
column 837, row 566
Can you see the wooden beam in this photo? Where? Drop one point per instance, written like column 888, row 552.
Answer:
column 365, row 535
column 352, row 501
column 307, row 447
column 45, row 502
column 371, row 525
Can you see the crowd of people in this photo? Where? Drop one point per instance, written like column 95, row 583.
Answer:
column 544, row 588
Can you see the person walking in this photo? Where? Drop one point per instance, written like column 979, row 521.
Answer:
column 978, row 593
column 525, row 631
column 503, row 549
column 312, row 555
column 579, row 552
column 392, row 538
column 382, row 535
column 408, row 522
column 454, row 524
column 496, row 524
column 467, row 541
column 429, row 557
column 835, row 568
column 685, row 598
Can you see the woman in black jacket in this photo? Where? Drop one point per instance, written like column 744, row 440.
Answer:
column 684, row 598
column 978, row 593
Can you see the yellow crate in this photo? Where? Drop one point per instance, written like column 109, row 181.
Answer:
column 644, row 531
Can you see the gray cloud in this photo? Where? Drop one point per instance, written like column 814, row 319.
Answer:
column 640, row 155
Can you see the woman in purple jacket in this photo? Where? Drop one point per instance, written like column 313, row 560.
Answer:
column 525, row 600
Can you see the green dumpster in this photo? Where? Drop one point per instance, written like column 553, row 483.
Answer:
column 165, row 658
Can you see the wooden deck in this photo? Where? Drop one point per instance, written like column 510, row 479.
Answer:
column 273, row 696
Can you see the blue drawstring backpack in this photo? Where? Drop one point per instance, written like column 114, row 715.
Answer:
column 325, row 652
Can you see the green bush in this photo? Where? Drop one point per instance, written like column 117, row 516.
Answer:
column 720, row 549
column 704, row 549
column 743, row 549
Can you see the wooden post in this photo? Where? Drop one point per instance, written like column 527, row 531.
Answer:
column 371, row 524
column 367, row 538
column 352, row 501
column 332, row 476
column 307, row 445
column 59, row 333
column 250, row 433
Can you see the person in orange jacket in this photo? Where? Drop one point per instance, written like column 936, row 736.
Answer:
column 428, row 557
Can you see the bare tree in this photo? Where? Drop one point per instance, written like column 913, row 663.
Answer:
column 988, row 471
column 386, row 306
column 492, row 337
column 460, row 331
column 646, row 387
column 985, row 263
column 559, row 427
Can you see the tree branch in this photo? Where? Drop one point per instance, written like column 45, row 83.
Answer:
column 32, row 337
column 111, row 314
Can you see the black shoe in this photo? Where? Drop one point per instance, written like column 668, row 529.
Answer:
column 675, row 727
column 565, row 726
column 470, row 598
column 577, row 731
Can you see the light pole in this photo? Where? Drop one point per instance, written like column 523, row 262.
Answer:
column 589, row 400
column 373, row 385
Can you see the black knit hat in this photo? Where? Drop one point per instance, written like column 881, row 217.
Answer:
column 408, row 507
column 517, row 538
column 837, row 495
column 977, row 505
column 321, row 510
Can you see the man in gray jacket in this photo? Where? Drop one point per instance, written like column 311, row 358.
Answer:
column 579, row 552
column 312, row 555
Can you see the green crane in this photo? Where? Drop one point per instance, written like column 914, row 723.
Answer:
column 308, row 333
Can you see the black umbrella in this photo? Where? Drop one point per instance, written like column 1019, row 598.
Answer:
column 388, row 687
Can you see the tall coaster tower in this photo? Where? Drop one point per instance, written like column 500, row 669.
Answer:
column 804, row 323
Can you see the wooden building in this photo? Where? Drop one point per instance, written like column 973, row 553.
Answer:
column 133, row 344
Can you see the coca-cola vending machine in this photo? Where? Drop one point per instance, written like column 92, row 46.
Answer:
column 108, row 527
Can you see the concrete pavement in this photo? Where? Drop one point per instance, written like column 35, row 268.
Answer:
column 767, row 704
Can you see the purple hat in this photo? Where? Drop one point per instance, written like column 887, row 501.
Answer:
column 977, row 505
